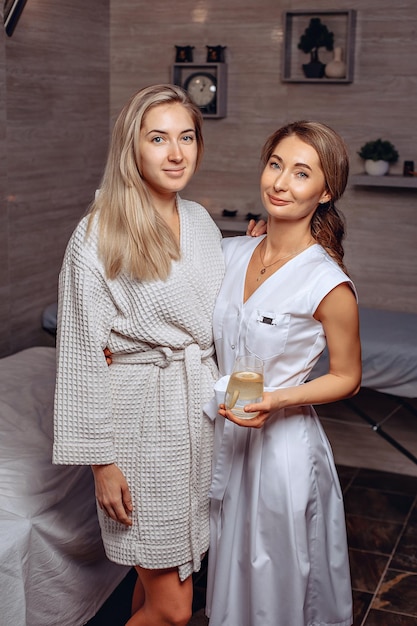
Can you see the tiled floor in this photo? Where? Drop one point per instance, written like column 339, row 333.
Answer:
column 380, row 491
column 381, row 519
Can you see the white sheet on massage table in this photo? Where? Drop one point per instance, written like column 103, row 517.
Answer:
column 53, row 569
column 389, row 352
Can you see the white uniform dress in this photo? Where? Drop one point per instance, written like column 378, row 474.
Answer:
column 278, row 550
column 144, row 412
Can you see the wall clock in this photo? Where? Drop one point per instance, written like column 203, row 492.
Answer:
column 206, row 85
column 202, row 89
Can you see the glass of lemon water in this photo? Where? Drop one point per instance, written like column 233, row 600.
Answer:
column 246, row 385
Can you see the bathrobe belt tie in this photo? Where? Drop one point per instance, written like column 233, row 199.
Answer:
column 162, row 356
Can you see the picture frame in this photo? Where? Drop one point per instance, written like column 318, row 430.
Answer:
column 341, row 23
column 12, row 12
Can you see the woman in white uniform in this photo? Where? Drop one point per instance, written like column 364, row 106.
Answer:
column 278, row 550
column 140, row 276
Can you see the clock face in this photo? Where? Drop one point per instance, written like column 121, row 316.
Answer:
column 202, row 90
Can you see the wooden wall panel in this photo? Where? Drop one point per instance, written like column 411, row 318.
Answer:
column 4, row 239
column 381, row 248
column 56, row 85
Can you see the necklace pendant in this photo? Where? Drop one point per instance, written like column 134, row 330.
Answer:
column 263, row 270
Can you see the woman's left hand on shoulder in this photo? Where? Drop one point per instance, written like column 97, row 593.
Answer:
column 255, row 229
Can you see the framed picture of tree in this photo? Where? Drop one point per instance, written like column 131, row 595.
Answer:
column 319, row 46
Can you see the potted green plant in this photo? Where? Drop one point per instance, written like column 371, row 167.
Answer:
column 378, row 155
column 315, row 36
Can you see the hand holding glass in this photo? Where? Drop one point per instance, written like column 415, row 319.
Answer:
column 246, row 385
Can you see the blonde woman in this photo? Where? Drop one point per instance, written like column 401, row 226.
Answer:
column 140, row 276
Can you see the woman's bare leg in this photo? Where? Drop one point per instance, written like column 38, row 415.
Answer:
column 138, row 596
column 167, row 600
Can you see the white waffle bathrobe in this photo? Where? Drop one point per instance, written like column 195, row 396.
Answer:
column 144, row 412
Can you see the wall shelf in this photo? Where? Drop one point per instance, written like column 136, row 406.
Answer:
column 235, row 224
column 390, row 180
column 341, row 23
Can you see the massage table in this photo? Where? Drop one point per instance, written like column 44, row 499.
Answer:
column 389, row 363
column 53, row 569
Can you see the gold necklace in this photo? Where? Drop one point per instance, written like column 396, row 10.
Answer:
column 281, row 258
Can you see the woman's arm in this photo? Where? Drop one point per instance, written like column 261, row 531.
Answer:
column 338, row 313
column 82, row 412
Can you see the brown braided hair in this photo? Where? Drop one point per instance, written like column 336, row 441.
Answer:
column 327, row 223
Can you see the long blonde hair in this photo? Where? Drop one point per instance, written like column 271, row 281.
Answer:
column 327, row 224
column 133, row 238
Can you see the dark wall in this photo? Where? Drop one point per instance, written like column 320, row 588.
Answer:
column 54, row 131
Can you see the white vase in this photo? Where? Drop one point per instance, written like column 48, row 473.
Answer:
column 337, row 67
column 376, row 168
